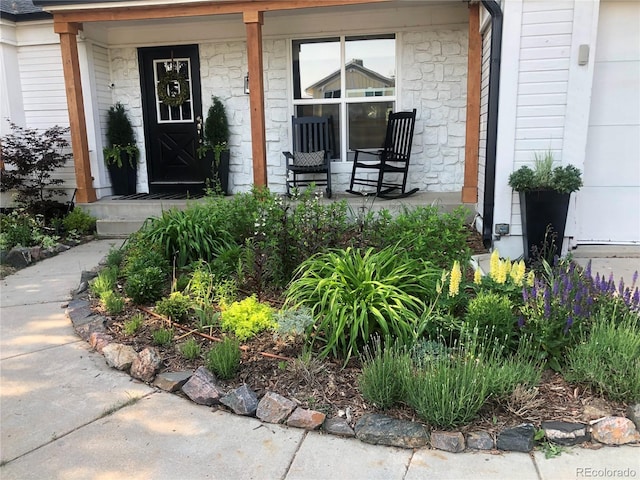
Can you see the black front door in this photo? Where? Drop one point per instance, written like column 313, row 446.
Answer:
column 172, row 110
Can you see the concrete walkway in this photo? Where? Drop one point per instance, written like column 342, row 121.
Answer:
column 66, row 415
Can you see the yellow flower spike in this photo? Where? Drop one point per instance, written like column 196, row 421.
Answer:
column 508, row 266
column 454, row 281
column 477, row 277
column 531, row 278
column 517, row 273
column 494, row 265
column 502, row 272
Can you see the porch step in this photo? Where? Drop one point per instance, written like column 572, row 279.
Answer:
column 117, row 228
column 120, row 218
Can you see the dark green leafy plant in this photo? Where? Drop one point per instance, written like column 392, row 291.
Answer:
column 120, row 138
column 30, row 157
column 79, row 221
column 428, row 234
column 175, row 306
column 216, row 130
column 355, row 294
column 224, row 358
column 18, row 228
column 544, row 176
column 145, row 285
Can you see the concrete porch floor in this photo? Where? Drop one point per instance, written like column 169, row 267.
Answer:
column 119, row 218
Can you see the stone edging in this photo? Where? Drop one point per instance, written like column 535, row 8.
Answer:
column 21, row 257
column 202, row 388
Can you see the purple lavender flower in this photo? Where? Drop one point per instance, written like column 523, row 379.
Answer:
column 520, row 321
column 568, row 325
column 556, row 288
column 587, row 270
column 547, row 303
column 525, row 294
column 621, row 285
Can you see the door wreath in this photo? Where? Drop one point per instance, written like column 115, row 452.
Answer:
column 174, row 98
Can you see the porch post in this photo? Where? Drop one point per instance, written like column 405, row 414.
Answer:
column 474, row 69
column 253, row 20
column 79, row 143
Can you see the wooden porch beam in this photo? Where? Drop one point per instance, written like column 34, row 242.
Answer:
column 71, row 67
column 113, row 13
column 253, row 21
column 474, row 71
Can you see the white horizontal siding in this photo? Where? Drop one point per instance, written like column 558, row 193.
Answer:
column 43, row 91
column 103, row 81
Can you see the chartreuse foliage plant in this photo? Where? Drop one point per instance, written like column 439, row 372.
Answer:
column 354, row 294
column 247, row 317
column 79, row 221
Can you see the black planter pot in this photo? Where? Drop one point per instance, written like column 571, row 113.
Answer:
column 123, row 179
column 544, row 216
column 217, row 175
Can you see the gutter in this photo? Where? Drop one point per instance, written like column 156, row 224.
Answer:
column 493, row 7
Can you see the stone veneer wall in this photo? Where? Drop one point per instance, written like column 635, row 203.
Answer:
column 432, row 69
column 433, row 79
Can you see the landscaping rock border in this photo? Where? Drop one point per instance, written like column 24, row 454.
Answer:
column 202, row 387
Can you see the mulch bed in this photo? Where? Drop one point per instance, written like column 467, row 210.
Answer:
column 271, row 364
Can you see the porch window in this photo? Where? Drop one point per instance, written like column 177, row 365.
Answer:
column 181, row 68
column 352, row 80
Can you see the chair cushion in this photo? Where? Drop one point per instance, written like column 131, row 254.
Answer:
column 308, row 159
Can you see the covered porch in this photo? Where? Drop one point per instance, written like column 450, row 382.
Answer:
column 438, row 57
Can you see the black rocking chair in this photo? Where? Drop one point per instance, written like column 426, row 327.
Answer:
column 310, row 161
column 392, row 158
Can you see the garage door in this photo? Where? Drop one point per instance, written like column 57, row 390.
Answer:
column 608, row 206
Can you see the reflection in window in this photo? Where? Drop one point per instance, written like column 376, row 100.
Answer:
column 371, row 66
column 316, row 68
column 359, row 84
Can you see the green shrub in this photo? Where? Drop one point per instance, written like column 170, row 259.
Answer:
column 134, row 324
column 175, row 306
column 146, row 285
column 17, row 229
column 104, row 282
column 430, row 235
column 190, row 349
column 115, row 257
column 383, row 370
column 247, row 318
column 356, row 294
column 141, row 253
column 79, row 221
column 113, row 303
column 224, row 358
column 162, row 336
column 492, row 314
column 608, row 359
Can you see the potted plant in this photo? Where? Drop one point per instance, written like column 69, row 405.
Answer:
column 121, row 154
column 544, row 194
column 215, row 147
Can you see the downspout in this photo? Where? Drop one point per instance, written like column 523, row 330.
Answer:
column 493, row 7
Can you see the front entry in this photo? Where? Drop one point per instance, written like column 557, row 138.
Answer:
column 172, row 113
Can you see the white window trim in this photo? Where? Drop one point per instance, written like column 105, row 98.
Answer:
column 343, row 101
